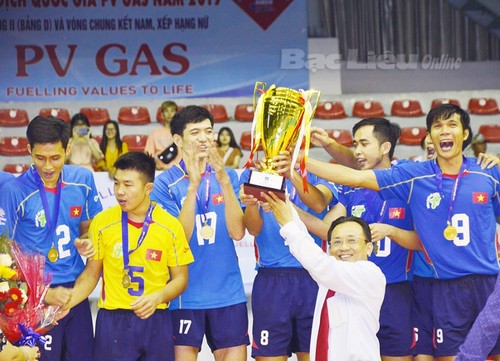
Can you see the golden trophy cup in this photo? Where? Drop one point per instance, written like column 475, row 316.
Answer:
column 282, row 121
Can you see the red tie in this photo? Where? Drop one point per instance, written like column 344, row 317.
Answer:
column 324, row 325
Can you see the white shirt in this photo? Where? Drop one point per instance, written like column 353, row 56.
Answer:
column 354, row 309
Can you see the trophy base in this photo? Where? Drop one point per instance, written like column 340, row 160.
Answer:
column 264, row 182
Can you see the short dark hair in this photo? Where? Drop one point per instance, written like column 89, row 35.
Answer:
column 78, row 118
column 383, row 130
column 138, row 161
column 444, row 111
column 187, row 115
column 168, row 104
column 44, row 130
column 360, row 221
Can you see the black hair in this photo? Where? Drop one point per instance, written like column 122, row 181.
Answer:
column 43, row 130
column 104, row 140
column 187, row 115
column 360, row 221
column 383, row 130
column 445, row 111
column 232, row 143
column 138, row 161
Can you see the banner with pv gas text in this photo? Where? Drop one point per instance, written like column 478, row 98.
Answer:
column 97, row 50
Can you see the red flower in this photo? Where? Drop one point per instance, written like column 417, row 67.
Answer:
column 16, row 295
column 4, row 296
column 10, row 308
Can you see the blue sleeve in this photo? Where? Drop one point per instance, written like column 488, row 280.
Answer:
column 8, row 206
column 93, row 200
column 163, row 196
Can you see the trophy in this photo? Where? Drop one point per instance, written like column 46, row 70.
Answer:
column 282, row 120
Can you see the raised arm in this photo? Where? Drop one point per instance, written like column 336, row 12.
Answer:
column 340, row 153
column 403, row 237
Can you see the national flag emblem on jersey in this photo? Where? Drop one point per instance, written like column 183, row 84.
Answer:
column 479, row 197
column 75, row 211
column 153, row 254
column 217, row 198
column 396, row 213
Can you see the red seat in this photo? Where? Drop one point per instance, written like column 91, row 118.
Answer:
column 342, row 136
column 218, row 112
column 134, row 115
column 367, row 109
column 412, row 135
column 491, row 132
column 437, row 102
column 406, row 108
column 14, row 146
column 246, row 141
column 96, row 116
column 330, row 110
column 136, row 143
column 61, row 113
column 483, row 106
column 13, row 118
column 16, row 168
column 244, row 112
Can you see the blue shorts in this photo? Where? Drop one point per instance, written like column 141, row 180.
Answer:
column 283, row 301
column 224, row 327
column 422, row 316
column 456, row 304
column 73, row 338
column 122, row 336
column 396, row 327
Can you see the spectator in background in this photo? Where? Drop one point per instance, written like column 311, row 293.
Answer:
column 477, row 146
column 228, row 148
column 161, row 138
column 82, row 148
column 428, row 150
column 111, row 146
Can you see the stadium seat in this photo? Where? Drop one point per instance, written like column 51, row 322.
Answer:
column 13, row 146
column 367, row 109
column 406, row 108
column 136, row 143
column 412, row 135
column 133, row 115
column 218, row 111
column 491, row 132
column 437, row 102
column 330, row 110
column 96, row 116
column 61, row 113
column 342, row 136
column 483, row 106
column 16, row 168
column 244, row 112
column 246, row 141
column 13, row 118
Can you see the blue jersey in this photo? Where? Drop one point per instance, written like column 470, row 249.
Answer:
column 394, row 260
column 214, row 277
column 271, row 250
column 429, row 194
column 25, row 219
column 5, row 177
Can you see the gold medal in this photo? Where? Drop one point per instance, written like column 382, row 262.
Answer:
column 207, row 231
column 450, row 233
column 126, row 281
column 53, row 255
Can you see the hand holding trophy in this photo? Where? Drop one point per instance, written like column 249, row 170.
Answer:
column 282, row 121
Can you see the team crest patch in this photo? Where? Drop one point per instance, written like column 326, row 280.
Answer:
column 40, row 220
column 433, row 200
column 118, row 251
column 3, row 219
column 358, row 210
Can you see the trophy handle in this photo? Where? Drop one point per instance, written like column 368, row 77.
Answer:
column 259, row 87
column 314, row 96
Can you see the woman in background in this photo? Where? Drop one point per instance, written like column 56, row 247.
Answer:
column 111, row 146
column 83, row 149
column 228, row 148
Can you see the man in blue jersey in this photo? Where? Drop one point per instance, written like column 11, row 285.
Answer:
column 5, row 177
column 283, row 294
column 48, row 210
column 202, row 194
column 454, row 202
column 390, row 221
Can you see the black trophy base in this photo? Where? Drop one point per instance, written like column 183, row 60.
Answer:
column 256, row 190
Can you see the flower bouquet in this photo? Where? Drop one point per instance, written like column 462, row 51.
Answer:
column 23, row 285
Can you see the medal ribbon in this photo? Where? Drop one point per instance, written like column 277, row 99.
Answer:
column 439, row 179
column 51, row 220
column 145, row 227
column 206, row 177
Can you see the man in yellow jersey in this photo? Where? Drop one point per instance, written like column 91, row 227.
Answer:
column 142, row 253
